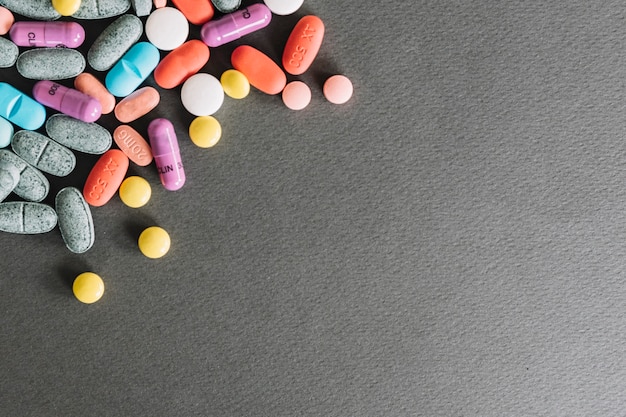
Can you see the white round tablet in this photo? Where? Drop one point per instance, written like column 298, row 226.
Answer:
column 167, row 28
column 202, row 94
column 283, row 7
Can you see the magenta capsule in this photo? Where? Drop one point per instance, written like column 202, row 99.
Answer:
column 67, row 100
column 47, row 34
column 235, row 25
column 166, row 154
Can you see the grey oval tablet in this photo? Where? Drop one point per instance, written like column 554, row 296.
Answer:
column 34, row 9
column 226, row 6
column 43, row 153
column 78, row 135
column 75, row 220
column 33, row 185
column 114, row 41
column 9, row 177
column 8, row 53
column 101, row 9
column 26, row 217
column 142, row 7
column 50, row 63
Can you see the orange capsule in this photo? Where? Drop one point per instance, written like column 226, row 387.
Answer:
column 261, row 71
column 303, row 45
column 105, row 177
column 133, row 145
column 90, row 85
column 197, row 12
column 137, row 104
column 181, row 63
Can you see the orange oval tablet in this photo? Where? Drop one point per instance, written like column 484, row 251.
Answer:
column 197, row 12
column 105, row 177
column 181, row 63
column 137, row 104
column 261, row 71
column 133, row 145
column 303, row 44
column 88, row 84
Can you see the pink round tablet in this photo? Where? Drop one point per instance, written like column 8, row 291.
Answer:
column 6, row 20
column 296, row 95
column 338, row 89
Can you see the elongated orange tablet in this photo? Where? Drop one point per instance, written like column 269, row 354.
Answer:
column 181, row 63
column 197, row 12
column 88, row 84
column 133, row 145
column 259, row 69
column 105, row 177
column 138, row 104
column 303, row 45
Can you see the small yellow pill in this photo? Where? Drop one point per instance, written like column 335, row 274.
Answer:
column 235, row 84
column 154, row 242
column 66, row 7
column 135, row 192
column 205, row 131
column 88, row 287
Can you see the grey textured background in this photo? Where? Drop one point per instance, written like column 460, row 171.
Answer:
column 449, row 243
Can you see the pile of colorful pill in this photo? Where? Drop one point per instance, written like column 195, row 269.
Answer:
column 49, row 54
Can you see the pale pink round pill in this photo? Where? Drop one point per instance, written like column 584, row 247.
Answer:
column 338, row 89
column 6, row 20
column 296, row 95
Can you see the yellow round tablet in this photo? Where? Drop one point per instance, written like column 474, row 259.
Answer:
column 235, row 84
column 205, row 131
column 154, row 242
column 66, row 7
column 88, row 287
column 135, row 192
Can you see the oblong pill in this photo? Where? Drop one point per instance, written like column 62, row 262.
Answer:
column 133, row 145
column 235, row 25
column 20, row 109
column 6, row 20
column 134, row 67
column 33, row 185
column 88, row 84
column 114, row 41
column 6, row 132
column 197, row 12
column 202, row 94
column 137, row 104
column 259, row 69
column 142, row 7
column 226, row 6
column 101, row 9
column 181, row 64
column 33, row 9
column 43, row 153
column 283, row 7
column 105, row 177
column 47, row 34
column 75, row 220
column 303, row 44
column 78, row 135
column 67, row 100
column 9, row 177
column 26, row 218
column 8, row 53
column 50, row 63
column 166, row 154
column 167, row 28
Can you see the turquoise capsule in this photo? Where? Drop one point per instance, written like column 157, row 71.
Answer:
column 6, row 132
column 134, row 67
column 20, row 109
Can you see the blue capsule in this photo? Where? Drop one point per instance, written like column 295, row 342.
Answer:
column 132, row 69
column 20, row 109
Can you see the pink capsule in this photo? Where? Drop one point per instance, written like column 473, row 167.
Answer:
column 166, row 154
column 235, row 25
column 47, row 34
column 67, row 100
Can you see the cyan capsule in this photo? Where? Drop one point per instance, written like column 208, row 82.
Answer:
column 20, row 109
column 134, row 67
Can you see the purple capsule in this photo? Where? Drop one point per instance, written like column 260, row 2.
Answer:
column 67, row 100
column 235, row 25
column 47, row 34
column 166, row 154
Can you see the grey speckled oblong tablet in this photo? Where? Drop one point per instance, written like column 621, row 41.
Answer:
column 43, row 153
column 34, row 9
column 33, row 185
column 9, row 177
column 78, row 135
column 114, row 41
column 142, row 7
column 75, row 221
column 50, row 63
column 27, row 218
column 8, row 53
column 226, row 6
column 101, row 9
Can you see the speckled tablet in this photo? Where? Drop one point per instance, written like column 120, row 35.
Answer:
column 226, row 6
column 33, row 185
column 50, row 63
column 34, row 9
column 78, row 135
column 26, row 218
column 8, row 53
column 75, row 220
column 142, row 7
column 101, row 9
column 43, row 153
column 114, row 41
column 9, row 177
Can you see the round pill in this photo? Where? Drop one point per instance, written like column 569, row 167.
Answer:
column 235, row 84
column 135, row 192
column 202, row 94
column 205, row 131
column 296, row 95
column 167, row 28
column 338, row 89
column 6, row 20
column 88, row 287
column 283, row 7
column 154, row 242
column 66, row 7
